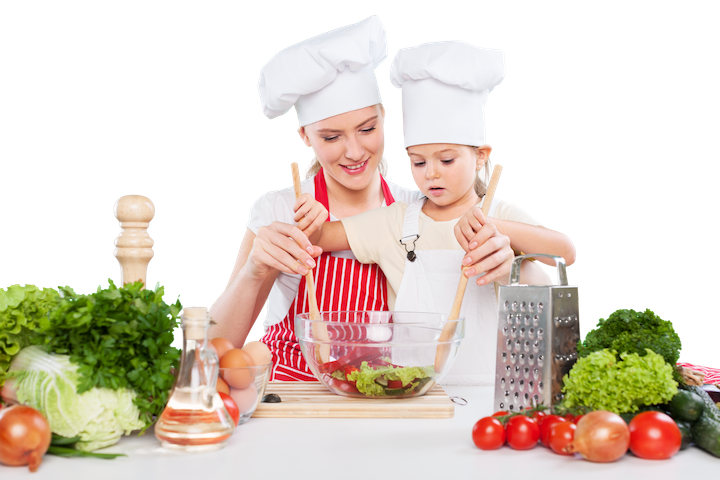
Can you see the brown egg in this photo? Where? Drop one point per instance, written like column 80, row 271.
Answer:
column 222, row 386
column 259, row 352
column 245, row 399
column 236, row 372
column 222, row 345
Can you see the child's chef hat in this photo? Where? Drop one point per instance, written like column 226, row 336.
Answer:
column 444, row 88
column 326, row 75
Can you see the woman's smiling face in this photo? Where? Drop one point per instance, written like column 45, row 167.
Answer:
column 348, row 146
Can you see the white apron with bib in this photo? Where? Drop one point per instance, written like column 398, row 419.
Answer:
column 429, row 284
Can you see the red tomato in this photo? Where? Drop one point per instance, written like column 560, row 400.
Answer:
column 569, row 417
column 347, row 387
column 231, row 407
column 348, row 369
column 654, row 435
column 577, row 419
column 488, row 434
column 539, row 416
column 395, row 384
column 547, row 423
column 501, row 413
column 561, row 434
column 522, row 432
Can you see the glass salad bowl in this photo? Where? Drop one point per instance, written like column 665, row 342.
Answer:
column 379, row 354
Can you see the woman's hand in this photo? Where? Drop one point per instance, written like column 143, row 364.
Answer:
column 309, row 213
column 282, row 247
column 488, row 250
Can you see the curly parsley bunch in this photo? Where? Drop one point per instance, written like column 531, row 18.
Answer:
column 120, row 338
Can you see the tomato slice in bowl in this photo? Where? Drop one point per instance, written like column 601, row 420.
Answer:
column 343, row 386
column 395, row 384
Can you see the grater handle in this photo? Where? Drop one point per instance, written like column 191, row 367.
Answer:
column 559, row 263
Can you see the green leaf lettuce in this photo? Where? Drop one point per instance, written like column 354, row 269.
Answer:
column 602, row 382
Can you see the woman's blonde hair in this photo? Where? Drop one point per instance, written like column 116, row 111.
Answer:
column 313, row 165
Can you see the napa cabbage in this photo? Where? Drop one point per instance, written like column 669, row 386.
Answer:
column 48, row 382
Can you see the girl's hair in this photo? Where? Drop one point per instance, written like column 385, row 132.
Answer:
column 313, row 165
column 481, row 183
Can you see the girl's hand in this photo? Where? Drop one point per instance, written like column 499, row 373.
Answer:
column 281, row 247
column 309, row 213
column 488, row 250
column 468, row 226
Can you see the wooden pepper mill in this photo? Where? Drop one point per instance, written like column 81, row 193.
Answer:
column 134, row 245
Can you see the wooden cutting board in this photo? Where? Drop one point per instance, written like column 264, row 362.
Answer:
column 313, row 400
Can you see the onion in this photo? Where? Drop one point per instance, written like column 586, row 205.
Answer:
column 601, row 437
column 24, row 436
column 8, row 393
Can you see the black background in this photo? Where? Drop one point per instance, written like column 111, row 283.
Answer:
column 168, row 108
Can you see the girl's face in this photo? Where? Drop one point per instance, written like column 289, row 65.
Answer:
column 348, row 146
column 446, row 172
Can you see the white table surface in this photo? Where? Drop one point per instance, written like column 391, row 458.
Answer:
column 362, row 448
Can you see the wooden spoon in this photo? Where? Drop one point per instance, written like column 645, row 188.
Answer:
column 448, row 330
column 319, row 330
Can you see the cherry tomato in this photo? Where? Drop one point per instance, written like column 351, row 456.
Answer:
column 561, row 434
column 577, row 419
column 539, row 416
column 654, row 435
column 522, row 432
column 488, row 434
column 501, row 413
column 231, row 407
column 548, row 421
column 569, row 417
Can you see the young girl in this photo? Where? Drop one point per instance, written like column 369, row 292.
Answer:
column 419, row 246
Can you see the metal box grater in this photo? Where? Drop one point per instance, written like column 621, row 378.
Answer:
column 538, row 331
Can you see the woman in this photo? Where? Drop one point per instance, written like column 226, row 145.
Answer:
column 330, row 80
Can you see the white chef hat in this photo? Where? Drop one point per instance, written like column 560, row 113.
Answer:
column 326, row 75
column 444, row 88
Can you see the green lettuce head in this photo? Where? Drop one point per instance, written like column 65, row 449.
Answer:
column 602, row 382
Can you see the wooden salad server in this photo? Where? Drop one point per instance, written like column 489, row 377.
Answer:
column 134, row 246
column 443, row 350
column 319, row 330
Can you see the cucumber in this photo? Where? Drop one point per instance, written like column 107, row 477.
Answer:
column 686, row 405
column 706, row 434
column 686, row 432
column 710, row 410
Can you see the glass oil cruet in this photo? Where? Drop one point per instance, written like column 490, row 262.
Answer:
column 195, row 418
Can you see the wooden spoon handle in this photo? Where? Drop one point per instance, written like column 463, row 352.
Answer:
column 487, row 201
column 322, row 354
column 449, row 329
column 492, row 186
column 309, row 280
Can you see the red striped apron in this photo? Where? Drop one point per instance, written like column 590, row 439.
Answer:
column 340, row 284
